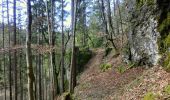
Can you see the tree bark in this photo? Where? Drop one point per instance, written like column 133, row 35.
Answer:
column 30, row 73
column 9, row 54
column 3, row 44
column 62, row 52
column 72, row 69
column 14, row 43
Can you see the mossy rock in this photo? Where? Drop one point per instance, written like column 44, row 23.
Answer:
column 67, row 96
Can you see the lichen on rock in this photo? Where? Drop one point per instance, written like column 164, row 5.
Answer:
column 143, row 35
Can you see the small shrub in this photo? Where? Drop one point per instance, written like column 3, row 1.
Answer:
column 83, row 57
column 131, row 65
column 97, row 42
column 149, row 96
column 167, row 89
column 105, row 67
column 121, row 69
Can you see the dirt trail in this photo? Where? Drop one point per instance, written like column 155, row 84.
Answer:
column 97, row 85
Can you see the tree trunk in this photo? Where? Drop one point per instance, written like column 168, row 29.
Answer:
column 72, row 69
column 9, row 54
column 30, row 73
column 14, row 56
column 62, row 52
column 3, row 44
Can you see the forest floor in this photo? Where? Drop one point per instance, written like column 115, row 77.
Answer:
column 131, row 84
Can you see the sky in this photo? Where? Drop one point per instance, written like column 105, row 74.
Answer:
column 22, row 5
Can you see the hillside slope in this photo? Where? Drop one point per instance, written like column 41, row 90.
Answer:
column 132, row 84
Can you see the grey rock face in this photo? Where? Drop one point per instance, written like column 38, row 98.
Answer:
column 143, row 43
column 142, row 37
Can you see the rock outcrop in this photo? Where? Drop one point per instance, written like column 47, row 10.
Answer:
column 143, row 34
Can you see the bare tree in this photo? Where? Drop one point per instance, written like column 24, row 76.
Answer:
column 3, row 44
column 14, row 43
column 30, row 72
column 73, row 58
column 9, row 54
column 62, row 54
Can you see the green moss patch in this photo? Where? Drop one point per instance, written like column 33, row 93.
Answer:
column 167, row 89
column 105, row 66
column 121, row 69
column 142, row 2
column 149, row 96
column 166, row 62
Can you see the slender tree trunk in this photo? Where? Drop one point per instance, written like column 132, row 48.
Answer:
column 73, row 69
column 62, row 54
column 51, row 69
column 9, row 54
column 14, row 43
column 30, row 73
column 3, row 44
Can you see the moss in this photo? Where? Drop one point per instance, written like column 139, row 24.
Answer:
column 149, row 96
column 142, row 2
column 166, row 62
column 167, row 41
column 165, row 23
column 167, row 89
column 164, row 43
column 67, row 96
column 121, row 69
column 105, row 66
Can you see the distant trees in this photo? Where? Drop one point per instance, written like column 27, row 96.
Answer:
column 50, row 55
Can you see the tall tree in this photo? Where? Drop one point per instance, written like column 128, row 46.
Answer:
column 14, row 43
column 62, row 54
column 73, row 59
column 110, row 24
column 3, row 45
column 28, row 53
column 9, row 54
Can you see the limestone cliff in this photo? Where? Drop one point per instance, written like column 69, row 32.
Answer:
column 144, row 35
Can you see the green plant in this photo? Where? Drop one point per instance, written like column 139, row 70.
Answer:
column 105, row 66
column 121, row 69
column 166, row 62
column 97, row 42
column 167, row 89
column 83, row 57
column 149, row 96
column 131, row 65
